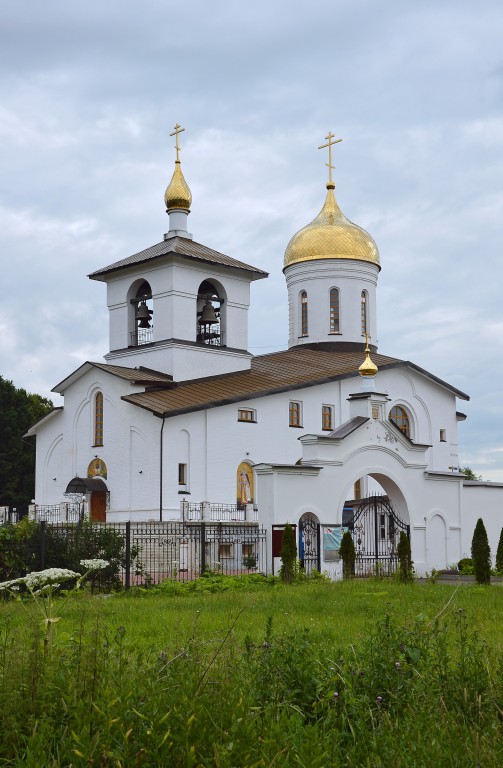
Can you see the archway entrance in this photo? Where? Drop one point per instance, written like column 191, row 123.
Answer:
column 309, row 542
column 376, row 528
column 96, row 491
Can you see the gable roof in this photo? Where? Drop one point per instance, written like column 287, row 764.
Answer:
column 180, row 246
column 142, row 376
column 269, row 374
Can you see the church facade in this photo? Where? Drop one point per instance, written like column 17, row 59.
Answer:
column 181, row 422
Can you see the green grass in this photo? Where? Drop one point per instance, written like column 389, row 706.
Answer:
column 248, row 677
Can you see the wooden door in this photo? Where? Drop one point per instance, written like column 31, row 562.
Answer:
column 98, row 506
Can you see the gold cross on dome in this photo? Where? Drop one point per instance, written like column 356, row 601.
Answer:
column 367, row 337
column 178, row 129
column 330, row 144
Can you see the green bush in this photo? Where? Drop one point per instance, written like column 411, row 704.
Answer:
column 465, row 566
column 288, row 555
column 405, row 571
column 499, row 554
column 481, row 554
column 348, row 554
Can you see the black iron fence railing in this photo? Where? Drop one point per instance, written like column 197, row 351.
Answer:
column 139, row 553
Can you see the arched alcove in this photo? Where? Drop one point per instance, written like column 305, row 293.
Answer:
column 211, row 314
column 140, row 313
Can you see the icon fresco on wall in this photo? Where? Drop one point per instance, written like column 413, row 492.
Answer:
column 97, row 468
column 244, row 484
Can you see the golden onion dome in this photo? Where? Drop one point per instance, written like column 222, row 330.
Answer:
column 178, row 194
column 331, row 236
column 368, row 367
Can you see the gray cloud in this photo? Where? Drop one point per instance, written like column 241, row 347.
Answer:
column 90, row 92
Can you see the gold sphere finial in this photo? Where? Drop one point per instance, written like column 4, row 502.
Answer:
column 178, row 194
column 367, row 368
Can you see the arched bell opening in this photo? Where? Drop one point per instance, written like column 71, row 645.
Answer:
column 210, row 320
column 141, row 314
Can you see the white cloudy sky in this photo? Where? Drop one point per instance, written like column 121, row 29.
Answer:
column 90, row 92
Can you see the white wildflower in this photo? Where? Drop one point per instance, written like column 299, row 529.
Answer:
column 9, row 584
column 38, row 579
column 95, row 565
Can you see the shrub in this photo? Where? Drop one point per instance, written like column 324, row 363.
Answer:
column 465, row 566
column 405, row 572
column 348, row 554
column 288, row 554
column 499, row 553
column 481, row 554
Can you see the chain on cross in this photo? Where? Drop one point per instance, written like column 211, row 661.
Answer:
column 176, row 132
column 330, row 144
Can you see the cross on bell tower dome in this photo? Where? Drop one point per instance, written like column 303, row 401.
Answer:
column 178, row 197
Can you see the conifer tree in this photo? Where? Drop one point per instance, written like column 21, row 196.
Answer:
column 405, row 558
column 288, row 554
column 481, row 554
column 348, row 553
column 499, row 553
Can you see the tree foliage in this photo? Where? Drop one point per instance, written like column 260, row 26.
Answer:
column 288, row 554
column 19, row 410
column 348, row 554
column 470, row 474
column 481, row 554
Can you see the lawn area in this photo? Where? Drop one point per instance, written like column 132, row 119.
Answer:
column 361, row 673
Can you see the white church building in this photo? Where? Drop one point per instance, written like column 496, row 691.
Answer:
column 181, row 422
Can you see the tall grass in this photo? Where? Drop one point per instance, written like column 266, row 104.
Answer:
column 363, row 674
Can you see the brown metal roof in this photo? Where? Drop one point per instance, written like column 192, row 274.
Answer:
column 138, row 375
column 180, row 246
column 276, row 372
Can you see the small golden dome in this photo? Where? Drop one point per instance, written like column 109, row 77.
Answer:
column 178, row 194
column 367, row 368
column 331, row 236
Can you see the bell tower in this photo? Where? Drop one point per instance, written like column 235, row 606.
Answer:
column 331, row 268
column 179, row 307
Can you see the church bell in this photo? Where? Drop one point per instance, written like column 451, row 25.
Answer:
column 143, row 315
column 208, row 315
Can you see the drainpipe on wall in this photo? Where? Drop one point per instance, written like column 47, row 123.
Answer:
column 160, row 469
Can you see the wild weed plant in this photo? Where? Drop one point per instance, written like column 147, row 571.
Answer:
column 406, row 693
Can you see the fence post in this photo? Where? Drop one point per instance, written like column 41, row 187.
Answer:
column 128, row 554
column 202, row 546
column 41, row 550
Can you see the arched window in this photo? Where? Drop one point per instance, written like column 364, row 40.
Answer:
column 364, row 313
column 209, row 315
column 401, row 419
column 334, row 310
column 98, row 418
column 303, row 313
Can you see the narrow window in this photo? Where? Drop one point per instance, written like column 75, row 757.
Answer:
column 364, row 311
column 400, row 418
column 247, row 414
column 327, row 414
column 98, row 419
column 295, row 414
column 357, row 492
column 182, row 474
column 443, row 438
column 303, row 313
column 334, row 310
